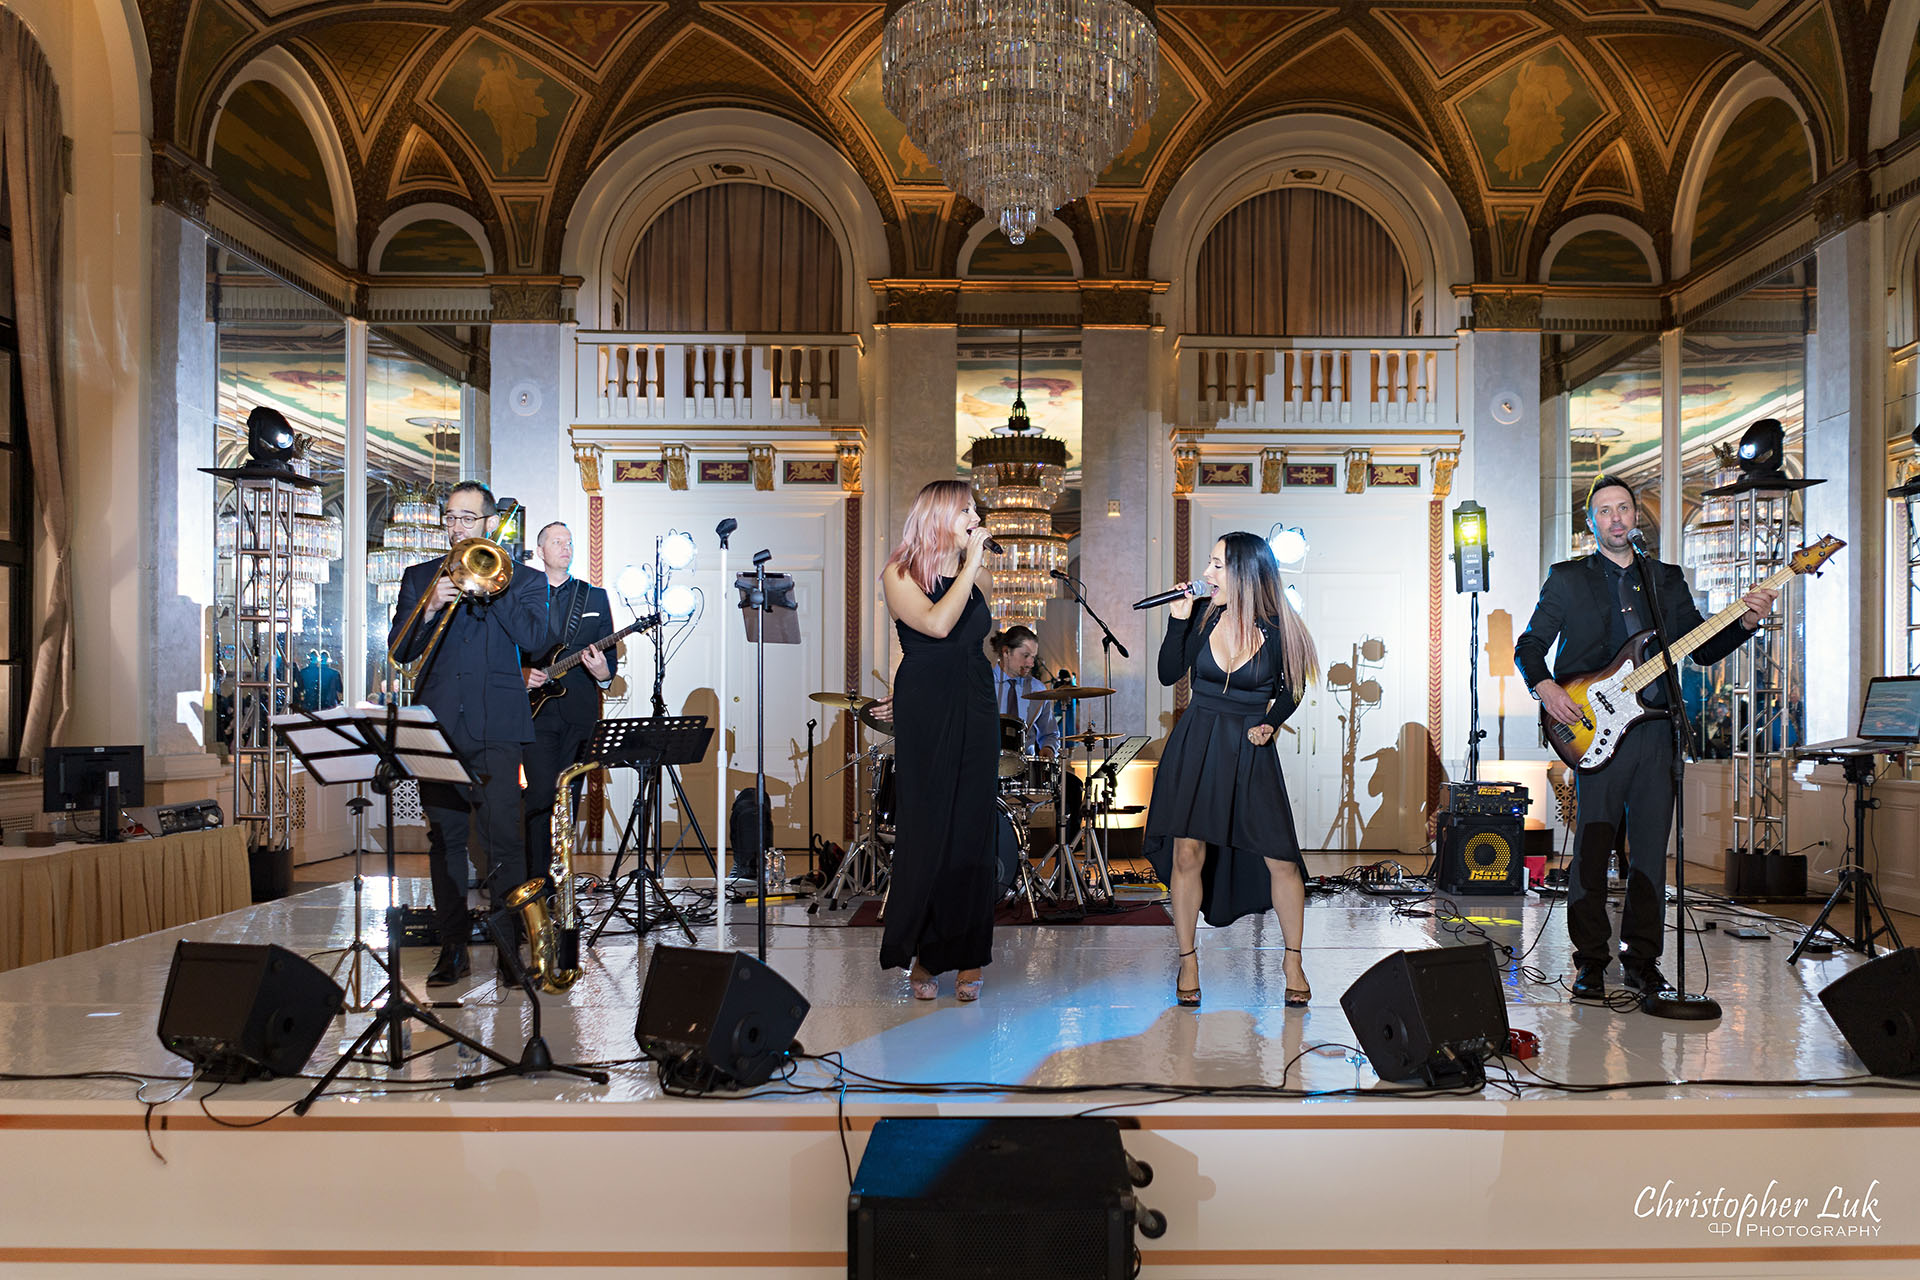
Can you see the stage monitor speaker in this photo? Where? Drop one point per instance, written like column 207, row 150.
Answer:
column 241, row 1010
column 1433, row 1015
column 964, row 1198
column 1877, row 1008
column 1480, row 855
column 716, row 1019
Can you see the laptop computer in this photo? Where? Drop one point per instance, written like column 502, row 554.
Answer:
column 1889, row 720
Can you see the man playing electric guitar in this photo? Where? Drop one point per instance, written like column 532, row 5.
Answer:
column 1593, row 606
column 577, row 615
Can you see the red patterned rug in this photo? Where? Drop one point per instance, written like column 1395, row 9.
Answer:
column 867, row 915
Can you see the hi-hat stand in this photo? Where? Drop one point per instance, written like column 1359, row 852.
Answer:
column 653, row 747
column 1854, row 878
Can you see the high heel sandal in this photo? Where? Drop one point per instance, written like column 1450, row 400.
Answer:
column 968, row 991
column 923, row 988
column 1188, row 996
column 1298, row 997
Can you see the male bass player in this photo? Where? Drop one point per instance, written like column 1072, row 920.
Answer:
column 472, row 684
column 1593, row 605
column 577, row 615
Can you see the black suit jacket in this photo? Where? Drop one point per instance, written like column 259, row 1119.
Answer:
column 474, row 679
column 1577, row 607
column 581, row 703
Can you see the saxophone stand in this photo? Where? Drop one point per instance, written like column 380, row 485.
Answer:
column 351, row 745
column 1675, row 1004
column 535, row 1058
column 652, row 746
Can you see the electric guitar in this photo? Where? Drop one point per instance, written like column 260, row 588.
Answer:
column 556, row 666
column 1609, row 699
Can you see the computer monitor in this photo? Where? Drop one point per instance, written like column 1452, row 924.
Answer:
column 104, row 778
column 1891, row 712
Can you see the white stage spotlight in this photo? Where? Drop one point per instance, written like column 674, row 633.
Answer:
column 679, row 601
column 635, row 583
column 1289, row 545
column 677, row 550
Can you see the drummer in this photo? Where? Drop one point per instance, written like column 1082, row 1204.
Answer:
column 1014, row 652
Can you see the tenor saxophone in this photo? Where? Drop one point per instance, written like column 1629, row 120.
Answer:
column 554, row 936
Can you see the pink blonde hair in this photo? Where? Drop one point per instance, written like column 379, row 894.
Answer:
column 927, row 541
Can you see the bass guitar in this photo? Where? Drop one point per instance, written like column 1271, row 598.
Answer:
column 1610, row 699
column 556, row 666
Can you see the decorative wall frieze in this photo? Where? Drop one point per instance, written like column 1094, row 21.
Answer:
column 930, row 302
column 528, row 303
column 181, row 183
column 1119, row 303
column 1841, row 202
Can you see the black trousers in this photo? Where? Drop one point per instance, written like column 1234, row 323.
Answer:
column 1634, row 790
column 490, row 813
column 556, row 744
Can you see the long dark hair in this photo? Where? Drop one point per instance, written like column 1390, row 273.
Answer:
column 1253, row 589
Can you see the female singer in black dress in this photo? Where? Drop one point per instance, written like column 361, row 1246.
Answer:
column 1220, row 831
column 946, row 746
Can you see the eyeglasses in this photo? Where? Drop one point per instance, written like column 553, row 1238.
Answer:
column 461, row 520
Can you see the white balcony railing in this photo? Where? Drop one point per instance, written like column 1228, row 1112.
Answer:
column 1321, row 381
column 670, row 378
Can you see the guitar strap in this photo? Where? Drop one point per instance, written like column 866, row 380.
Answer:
column 578, row 603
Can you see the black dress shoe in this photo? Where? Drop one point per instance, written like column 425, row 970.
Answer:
column 1590, row 983
column 1644, row 979
column 451, row 967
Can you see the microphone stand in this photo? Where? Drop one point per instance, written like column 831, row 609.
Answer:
column 1676, row 1004
column 1108, row 641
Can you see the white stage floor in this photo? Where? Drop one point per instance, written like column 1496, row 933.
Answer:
column 1357, row 1179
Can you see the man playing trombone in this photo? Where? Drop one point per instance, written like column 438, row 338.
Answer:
column 467, row 617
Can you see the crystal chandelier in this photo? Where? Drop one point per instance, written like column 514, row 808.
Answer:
column 1017, row 477
column 1020, row 103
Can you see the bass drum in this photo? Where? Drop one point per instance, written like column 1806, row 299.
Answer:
column 1009, row 843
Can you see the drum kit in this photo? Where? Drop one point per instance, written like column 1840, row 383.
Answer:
column 1068, row 872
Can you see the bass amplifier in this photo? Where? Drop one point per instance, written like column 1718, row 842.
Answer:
column 1481, row 854
column 1487, row 799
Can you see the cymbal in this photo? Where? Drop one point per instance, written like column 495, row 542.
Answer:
column 867, row 718
column 1068, row 693
column 844, row 701
column 1093, row 737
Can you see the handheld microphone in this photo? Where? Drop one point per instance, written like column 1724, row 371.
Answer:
column 1196, row 590
column 994, row 547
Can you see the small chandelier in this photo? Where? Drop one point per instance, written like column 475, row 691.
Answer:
column 1017, row 477
column 1020, row 103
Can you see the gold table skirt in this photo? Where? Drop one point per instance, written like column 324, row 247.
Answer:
column 68, row 898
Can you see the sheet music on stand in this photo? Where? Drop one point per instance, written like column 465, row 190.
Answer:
column 1123, row 755
column 336, row 746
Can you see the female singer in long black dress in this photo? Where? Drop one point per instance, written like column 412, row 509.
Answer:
column 1220, row 831
column 946, row 746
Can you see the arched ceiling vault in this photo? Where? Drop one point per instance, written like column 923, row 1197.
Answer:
column 1535, row 112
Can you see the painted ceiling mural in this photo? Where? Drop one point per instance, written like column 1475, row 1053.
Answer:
column 1533, row 111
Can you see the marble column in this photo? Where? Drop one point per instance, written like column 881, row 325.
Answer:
column 178, row 553
column 921, row 437
column 1845, row 447
column 1119, row 436
column 524, row 457
column 1502, row 420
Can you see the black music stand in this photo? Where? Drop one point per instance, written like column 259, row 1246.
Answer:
column 652, row 745
column 1857, row 767
column 381, row 746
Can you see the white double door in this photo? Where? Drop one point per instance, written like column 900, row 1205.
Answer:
column 1353, row 753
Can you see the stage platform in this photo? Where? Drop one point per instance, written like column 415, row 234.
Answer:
column 408, row 1177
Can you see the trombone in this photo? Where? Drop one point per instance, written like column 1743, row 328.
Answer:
column 480, row 570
